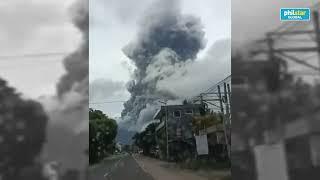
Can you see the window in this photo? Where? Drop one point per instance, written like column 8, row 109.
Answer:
column 189, row 111
column 177, row 114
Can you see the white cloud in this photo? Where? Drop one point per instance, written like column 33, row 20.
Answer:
column 191, row 78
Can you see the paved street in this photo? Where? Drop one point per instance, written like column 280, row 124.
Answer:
column 138, row 167
column 121, row 168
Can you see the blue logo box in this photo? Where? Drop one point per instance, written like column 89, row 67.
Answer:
column 295, row 14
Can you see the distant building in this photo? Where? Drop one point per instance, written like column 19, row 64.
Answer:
column 179, row 126
column 184, row 123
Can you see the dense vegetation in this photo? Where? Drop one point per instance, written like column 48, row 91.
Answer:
column 23, row 129
column 146, row 140
column 103, row 131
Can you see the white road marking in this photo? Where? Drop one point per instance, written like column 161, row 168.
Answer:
column 112, row 169
column 107, row 174
column 140, row 164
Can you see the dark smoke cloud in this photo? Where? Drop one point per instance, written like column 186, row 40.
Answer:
column 165, row 37
column 165, row 27
column 68, row 111
column 76, row 64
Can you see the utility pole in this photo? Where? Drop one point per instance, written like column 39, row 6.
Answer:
column 273, row 80
column 222, row 115
column 281, row 51
column 229, row 93
column 167, row 133
column 270, row 47
column 227, row 116
column 230, row 116
column 201, row 99
column 220, row 100
column 166, row 128
column 226, row 101
column 317, row 29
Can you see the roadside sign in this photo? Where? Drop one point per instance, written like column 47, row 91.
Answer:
column 271, row 162
column 202, row 144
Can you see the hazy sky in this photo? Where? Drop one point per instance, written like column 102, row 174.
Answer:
column 35, row 27
column 114, row 23
column 251, row 18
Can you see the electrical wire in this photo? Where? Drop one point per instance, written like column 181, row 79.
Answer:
column 32, row 55
column 107, row 102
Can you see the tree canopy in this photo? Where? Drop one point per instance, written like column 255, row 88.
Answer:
column 102, row 134
column 22, row 131
column 146, row 140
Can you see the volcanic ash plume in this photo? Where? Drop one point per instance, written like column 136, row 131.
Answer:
column 76, row 64
column 166, row 39
column 68, row 111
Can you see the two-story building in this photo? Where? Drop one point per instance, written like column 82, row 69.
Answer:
column 174, row 133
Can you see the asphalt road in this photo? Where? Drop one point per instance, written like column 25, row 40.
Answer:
column 122, row 168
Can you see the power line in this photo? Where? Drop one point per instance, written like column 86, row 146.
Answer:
column 219, row 83
column 33, row 65
column 305, row 73
column 212, row 89
column 33, row 55
column 107, row 102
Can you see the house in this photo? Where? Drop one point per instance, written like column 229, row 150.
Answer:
column 184, row 122
column 180, row 139
column 302, row 142
column 211, row 125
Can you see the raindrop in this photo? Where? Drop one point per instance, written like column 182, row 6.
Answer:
column 20, row 138
column 20, row 125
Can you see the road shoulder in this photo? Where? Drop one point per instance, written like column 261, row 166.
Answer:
column 160, row 170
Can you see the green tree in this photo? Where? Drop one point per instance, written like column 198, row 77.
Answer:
column 23, row 129
column 102, row 134
column 146, row 140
